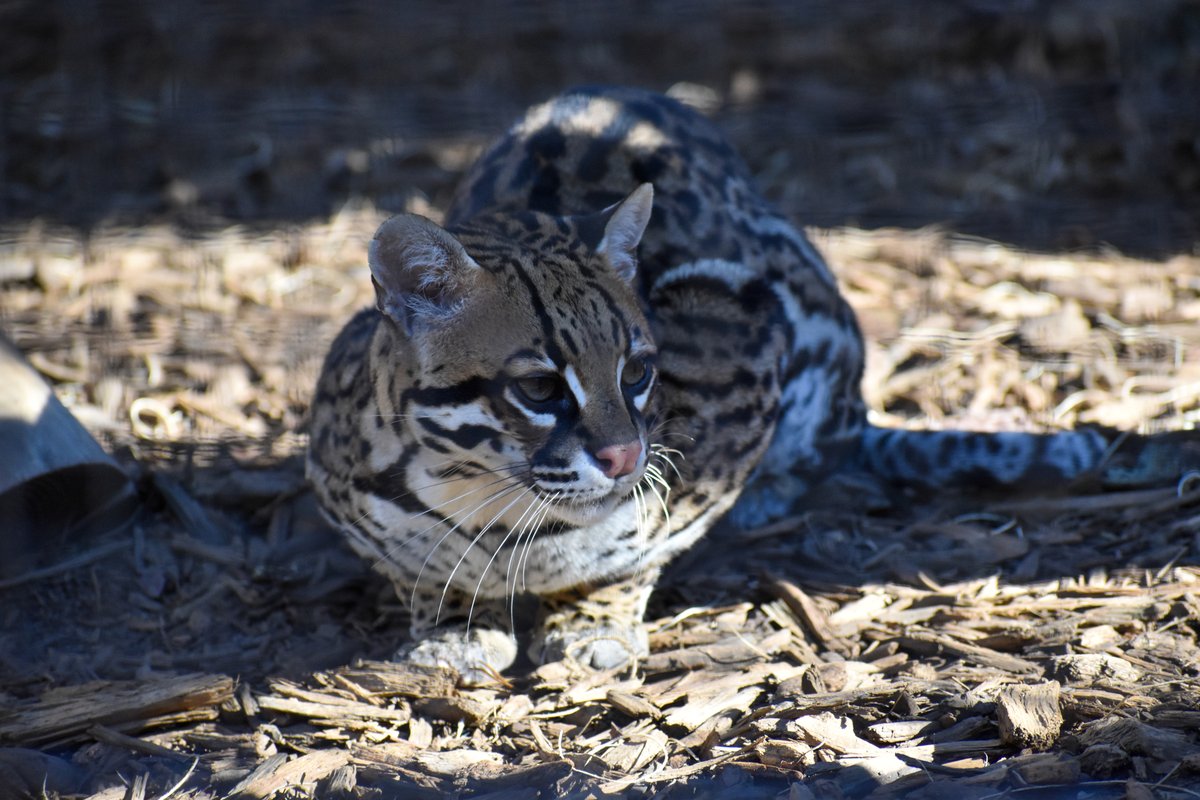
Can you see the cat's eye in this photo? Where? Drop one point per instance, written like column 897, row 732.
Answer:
column 540, row 388
column 635, row 372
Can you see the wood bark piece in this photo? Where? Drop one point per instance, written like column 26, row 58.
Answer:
column 729, row 653
column 201, row 525
column 632, row 705
column 833, row 732
column 874, row 772
column 900, row 730
column 109, row 736
column 279, row 772
column 393, row 754
column 841, row 676
column 928, row 751
column 703, row 706
column 814, row 619
column 389, row 679
column 333, row 711
column 785, row 753
column 928, row 642
column 64, row 715
column 859, row 613
column 1138, row 739
column 482, row 768
column 1051, row 769
column 963, row 729
column 455, row 709
column 451, row 763
column 673, row 774
column 636, row 750
column 696, row 685
column 1103, row 760
column 1029, row 715
column 499, row 778
column 1088, row 668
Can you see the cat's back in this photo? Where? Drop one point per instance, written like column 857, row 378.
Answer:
column 588, row 148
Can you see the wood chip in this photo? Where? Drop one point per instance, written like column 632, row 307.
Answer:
column 840, row 676
column 666, row 775
column 705, row 704
column 814, row 619
column 455, row 762
column 278, row 773
column 963, row 729
column 109, row 736
column 785, row 753
column 730, row 653
column 1088, row 668
column 636, row 750
column 1029, row 715
column 391, row 679
column 455, row 709
column 1138, row 739
column 632, row 705
column 1049, row 769
column 827, row 730
column 928, row 642
column 333, row 711
column 64, row 715
column 900, row 730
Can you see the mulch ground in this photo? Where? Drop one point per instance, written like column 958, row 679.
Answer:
column 991, row 646
column 226, row 644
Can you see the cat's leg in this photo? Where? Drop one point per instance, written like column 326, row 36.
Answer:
column 599, row 627
column 451, row 629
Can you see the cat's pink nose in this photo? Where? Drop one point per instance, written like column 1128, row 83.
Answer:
column 619, row 459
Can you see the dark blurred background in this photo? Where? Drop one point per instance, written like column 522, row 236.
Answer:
column 1048, row 124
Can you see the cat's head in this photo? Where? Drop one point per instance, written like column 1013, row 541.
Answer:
column 530, row 356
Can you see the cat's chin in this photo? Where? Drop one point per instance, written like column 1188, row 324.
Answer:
column 587, row 512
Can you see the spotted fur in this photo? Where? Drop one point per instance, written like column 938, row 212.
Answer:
column 573, row 380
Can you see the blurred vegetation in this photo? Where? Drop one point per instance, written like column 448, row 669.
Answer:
column 1043, row 123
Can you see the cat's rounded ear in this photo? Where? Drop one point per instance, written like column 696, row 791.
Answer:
column 420, row 271
column 625, row 222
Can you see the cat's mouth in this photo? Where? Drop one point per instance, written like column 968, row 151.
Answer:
column 588, row 510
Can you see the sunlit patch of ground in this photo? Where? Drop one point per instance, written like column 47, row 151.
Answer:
column 861, row 653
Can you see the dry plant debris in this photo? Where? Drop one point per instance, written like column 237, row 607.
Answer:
column 228, row 646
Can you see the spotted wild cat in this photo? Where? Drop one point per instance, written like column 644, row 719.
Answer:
column 612, row 339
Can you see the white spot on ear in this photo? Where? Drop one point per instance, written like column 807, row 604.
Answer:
column 575, row 386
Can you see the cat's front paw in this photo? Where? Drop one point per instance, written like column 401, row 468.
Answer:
column 600, row 645
column 478, row 654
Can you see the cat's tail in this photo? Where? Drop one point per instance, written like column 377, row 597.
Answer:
column 1049, row 462
column 887, row 460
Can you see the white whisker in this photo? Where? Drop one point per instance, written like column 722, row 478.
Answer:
column 474, row 541
column 496, row 552
column 491, row 498
column 408, row 539
column 523, row 565
column 510, row 583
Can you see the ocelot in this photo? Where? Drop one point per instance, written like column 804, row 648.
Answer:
column 613, row 342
